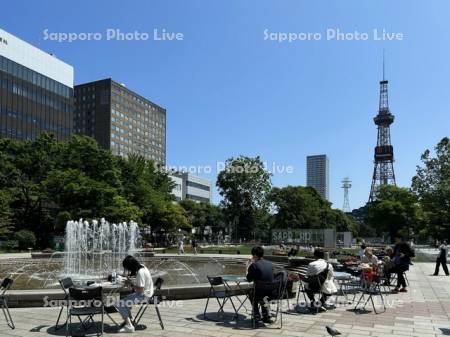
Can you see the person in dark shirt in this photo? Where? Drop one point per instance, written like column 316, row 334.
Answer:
column 442, row 258
column 402, row 260
column 259, row 270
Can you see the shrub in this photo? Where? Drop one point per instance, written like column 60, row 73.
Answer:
column 25, row 238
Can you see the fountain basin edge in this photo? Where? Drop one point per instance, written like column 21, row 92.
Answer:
column 39, row 298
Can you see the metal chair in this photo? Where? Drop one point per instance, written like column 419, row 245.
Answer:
column 4, row 287
column 221, row 292
column 267, row 293
column 65, row 284
column 302, row 289
column 370, row 290
column 156, row 299
column 394, row 277
column 90, row 302
column 353, row 285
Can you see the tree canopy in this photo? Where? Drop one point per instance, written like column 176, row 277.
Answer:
column 395, row 211
column 431, row 184
column 245, row 185
column 44, row 182
column 300, row 207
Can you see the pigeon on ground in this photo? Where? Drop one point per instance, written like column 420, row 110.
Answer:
column 332, row 331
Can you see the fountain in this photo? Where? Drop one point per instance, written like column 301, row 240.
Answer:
column 94, row 249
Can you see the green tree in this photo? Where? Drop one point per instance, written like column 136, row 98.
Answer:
column 28, row 163
column 245, row 185
column 149, row 188
column 25, row 239
column 395, row 211
column 82, row 153
column 204, row 215
column 169, row 216
column 431, row 184
column 299, row 207
column 43, row 183
column 343, row 222
column 61, row 221
column 5, row 213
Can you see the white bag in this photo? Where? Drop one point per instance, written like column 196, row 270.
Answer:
column 328, row 287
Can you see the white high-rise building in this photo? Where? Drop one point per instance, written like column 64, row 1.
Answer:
column 318, row 174
column 188, row 186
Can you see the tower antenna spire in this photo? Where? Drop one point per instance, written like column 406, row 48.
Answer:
column 383, row 173
column 346, row 185
column 384, row 64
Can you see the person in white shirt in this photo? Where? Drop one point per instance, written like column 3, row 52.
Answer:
column 362, row 251
column 317, row 273
column 142, row 286
column 181, row 247
column 369, row 257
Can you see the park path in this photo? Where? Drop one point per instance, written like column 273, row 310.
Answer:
column 422, row 312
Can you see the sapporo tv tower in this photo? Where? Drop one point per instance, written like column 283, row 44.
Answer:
column 383, row 172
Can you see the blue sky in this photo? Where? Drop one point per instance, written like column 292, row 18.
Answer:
column 228, row 91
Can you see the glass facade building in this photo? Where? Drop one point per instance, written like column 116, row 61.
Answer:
column 120, row 119
column 31, row 99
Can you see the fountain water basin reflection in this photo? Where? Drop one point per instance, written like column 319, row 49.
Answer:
column 94, row 250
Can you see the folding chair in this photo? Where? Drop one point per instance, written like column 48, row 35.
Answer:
column 65, row 284
column 406, row 278
column 155, row 299
column 372, row 289
column 88, row 303
column 302, row 289
column 394, row 278
column 266, row 293
column 221, row 292
column 283, row 276
column 4, row 287
column 301, row 286
column 352, row 285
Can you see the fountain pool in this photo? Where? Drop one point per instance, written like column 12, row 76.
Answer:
column 94, row 250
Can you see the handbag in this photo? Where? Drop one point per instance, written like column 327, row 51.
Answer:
column 329, row 287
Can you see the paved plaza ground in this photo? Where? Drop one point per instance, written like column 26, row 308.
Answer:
column 423, row 311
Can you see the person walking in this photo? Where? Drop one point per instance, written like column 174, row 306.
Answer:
column 194, row 246
column 181, row 247
column 442, row 258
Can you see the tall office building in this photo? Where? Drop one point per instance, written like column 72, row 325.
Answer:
column 36, row 91
column 318, row 174
column 188, row 186
column 120, row 119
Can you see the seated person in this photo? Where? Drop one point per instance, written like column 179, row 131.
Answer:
column 142, row 286
column 260, row 270
column 318, row 271
column 370, row 258
column 292, row 252
column 388, row 264
column 362, row 251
